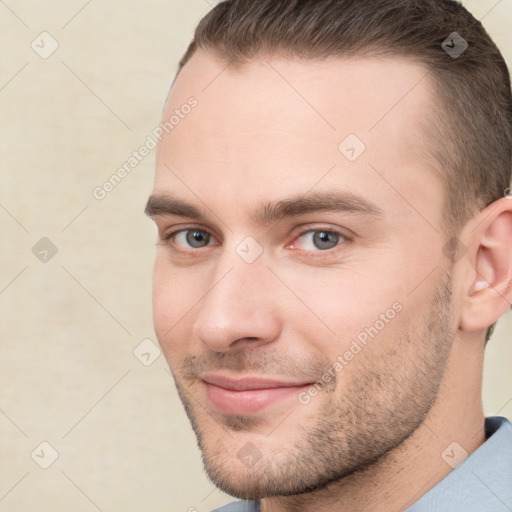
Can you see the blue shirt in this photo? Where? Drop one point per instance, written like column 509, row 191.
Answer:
column 482, row 483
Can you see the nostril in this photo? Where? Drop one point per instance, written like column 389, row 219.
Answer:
column 248, row 339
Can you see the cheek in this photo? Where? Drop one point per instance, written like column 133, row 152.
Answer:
column 163, row 294
column 339, row 306
column 172, row 301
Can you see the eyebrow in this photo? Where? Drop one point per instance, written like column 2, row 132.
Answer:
column 272, row 211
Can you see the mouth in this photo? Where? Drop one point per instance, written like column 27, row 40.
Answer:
column 248, row 394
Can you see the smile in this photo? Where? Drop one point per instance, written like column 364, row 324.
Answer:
column 246, row 395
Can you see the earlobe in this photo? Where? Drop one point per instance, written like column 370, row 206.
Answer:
column 489, row 281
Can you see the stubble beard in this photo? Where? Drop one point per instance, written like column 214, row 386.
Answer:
column 350, row 432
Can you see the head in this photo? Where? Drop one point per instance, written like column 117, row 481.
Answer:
column 330, row 218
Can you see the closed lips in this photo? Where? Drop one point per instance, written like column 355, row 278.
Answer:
column 248, row 383
column 246, row 395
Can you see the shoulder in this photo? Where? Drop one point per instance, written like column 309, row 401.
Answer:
column 481, row 482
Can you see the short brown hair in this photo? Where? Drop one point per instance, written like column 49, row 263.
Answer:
column 470, row 131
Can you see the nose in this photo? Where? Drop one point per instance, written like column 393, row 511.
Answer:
column 239, row 310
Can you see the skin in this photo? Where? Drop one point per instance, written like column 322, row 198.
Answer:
column 373, row 436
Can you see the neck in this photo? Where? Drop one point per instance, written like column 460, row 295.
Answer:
column 403, row 475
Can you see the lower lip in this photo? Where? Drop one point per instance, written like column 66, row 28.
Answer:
column 229, row 401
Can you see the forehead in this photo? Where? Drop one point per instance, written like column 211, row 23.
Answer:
column 289, row 121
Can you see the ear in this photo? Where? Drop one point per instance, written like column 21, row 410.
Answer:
column 488, row 283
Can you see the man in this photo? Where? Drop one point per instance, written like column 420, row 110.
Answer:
column 335, row 243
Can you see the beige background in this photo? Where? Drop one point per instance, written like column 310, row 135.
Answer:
column 68, row 375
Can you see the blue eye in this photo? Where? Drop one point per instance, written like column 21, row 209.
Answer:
column 320, row 240
column 311, row 240
column 194, row 238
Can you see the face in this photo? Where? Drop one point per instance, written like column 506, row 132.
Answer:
column 301, row 296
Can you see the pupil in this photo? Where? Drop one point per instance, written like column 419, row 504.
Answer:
column 325, row 240
column 197, row 238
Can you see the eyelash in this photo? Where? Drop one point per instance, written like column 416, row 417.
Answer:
column 345, row 239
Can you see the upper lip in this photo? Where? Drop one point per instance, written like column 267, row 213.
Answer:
column 245, row 383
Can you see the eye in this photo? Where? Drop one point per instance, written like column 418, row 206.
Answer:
column 318, row 240
column 191, row 238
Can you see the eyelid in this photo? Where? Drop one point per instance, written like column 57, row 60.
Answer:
column 345, row 233
column 167, row 239
column 328, row 229
column 322, row 254
column 186, row 227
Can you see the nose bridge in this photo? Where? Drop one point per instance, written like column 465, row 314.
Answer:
column 238, row 305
